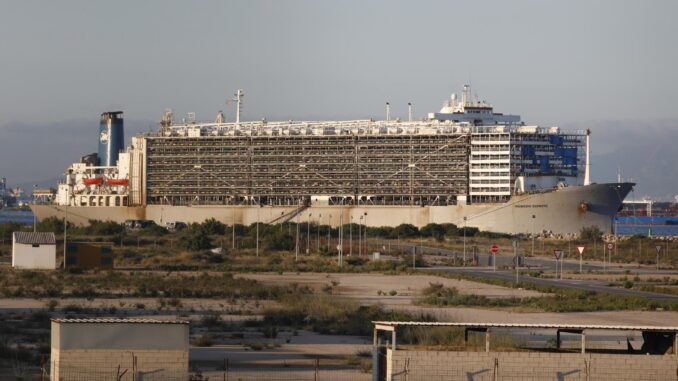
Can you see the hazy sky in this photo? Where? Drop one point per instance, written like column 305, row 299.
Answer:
column 553, row 62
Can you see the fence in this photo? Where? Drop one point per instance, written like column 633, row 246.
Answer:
column 301, row 370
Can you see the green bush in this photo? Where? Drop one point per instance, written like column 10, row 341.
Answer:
column 195, row 240
column 590, row 234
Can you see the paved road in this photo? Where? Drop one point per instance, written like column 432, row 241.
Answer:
column 547, row 265
column 588, row 285
column 540, row 263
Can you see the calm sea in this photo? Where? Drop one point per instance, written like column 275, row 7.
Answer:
column 643, row 225
column 21, row 216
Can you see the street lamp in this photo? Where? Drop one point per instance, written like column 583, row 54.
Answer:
column 308, row 234
column 533, row 218
column 350, row 237
column 296, row 247
column 329, row 231
column 464, row 241
column 35, row 218
column 367, row 244
column 320, row 216
column 360, row 242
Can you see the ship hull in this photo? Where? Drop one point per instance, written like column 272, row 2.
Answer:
column 562, row 211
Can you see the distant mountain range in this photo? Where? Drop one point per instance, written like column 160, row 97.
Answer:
column 644, row 150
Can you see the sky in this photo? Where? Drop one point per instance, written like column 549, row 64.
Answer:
column 566, row 63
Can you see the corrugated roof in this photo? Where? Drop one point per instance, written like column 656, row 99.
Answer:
column 34, row 238
column 119, row 321
column 574, row 327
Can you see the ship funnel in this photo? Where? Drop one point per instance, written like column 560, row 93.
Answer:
column 111, row 138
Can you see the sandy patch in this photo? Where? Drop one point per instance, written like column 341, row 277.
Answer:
column 367, row 286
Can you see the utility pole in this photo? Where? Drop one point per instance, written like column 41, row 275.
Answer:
column 258, row 230
column 367, row 244
column 320, row 216
column 360, row 242
column 296, row 247
column 464, row 264
column 340, row 252
column 308, row 235
column 65, row 228
column 233, row 230
column 329, row 231
column 350, row 237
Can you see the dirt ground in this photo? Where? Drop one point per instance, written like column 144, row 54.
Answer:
column 367, row 286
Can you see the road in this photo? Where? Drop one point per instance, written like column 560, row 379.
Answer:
column 501, row 273
column 537, row 263
column 587, row 285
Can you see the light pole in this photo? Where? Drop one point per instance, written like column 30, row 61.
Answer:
column 308, row 235
column 329, row 231
column 35, row 218
column 350, row 237
column 367, row 244
column 296, row 247
column 340, row 252
column 533, row 218
column 360, row 241
column 464, row 264
column 320, row 216
column 233, row 230
column 258, row 230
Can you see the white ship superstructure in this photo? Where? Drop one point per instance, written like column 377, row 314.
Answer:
column 460, row 162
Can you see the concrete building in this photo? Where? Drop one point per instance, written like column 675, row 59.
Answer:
column 657, row 359
column 142, row 349
column 33, row 250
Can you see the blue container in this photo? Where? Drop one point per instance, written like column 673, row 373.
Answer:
column 111, row 138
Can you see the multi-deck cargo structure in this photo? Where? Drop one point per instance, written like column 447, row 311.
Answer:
column 464, row 165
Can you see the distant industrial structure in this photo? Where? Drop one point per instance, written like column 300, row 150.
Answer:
column 33, row 250
column 119, row 349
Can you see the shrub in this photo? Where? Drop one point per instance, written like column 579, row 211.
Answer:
column 590, row 234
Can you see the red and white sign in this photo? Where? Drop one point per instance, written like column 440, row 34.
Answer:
column 658, row 248
column 610, row 246
column 581, row 249
column 558, row 254
column 494, row 249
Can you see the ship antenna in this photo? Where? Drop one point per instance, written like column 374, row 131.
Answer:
column 409, row 111
column 238, row 98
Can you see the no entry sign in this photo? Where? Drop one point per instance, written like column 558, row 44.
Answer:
column 494, row 249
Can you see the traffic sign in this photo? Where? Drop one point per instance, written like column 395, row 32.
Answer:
column 581, row 248
column 558, row 254
column 494, row 249
column 658, row 248
column 610, row 246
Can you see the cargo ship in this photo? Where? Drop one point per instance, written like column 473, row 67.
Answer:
column 466, row 165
